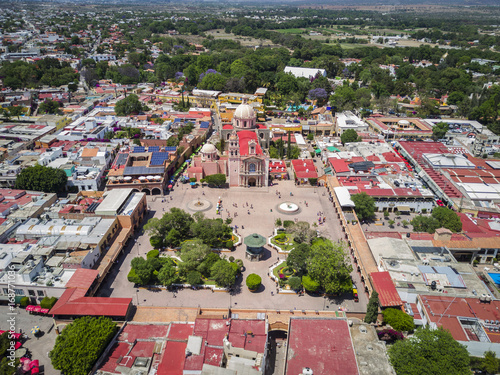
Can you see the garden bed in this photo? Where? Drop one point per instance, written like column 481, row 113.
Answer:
column 283, row 242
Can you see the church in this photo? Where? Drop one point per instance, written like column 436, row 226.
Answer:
column 248, row 164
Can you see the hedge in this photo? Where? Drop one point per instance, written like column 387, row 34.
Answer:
column 253, row 281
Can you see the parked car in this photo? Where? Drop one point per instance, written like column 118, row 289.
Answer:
column 440, row 203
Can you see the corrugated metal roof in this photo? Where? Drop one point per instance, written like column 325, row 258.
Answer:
column 387, row 293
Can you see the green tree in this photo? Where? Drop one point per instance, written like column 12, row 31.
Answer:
column 309, row 284
column 168, row 273
column 295, row 283
column 213, row 81
column 349, row 136
column 490, row 362
column 207, row 263
column 343, row 99
column 398, row 320
column 218, row 179
column 193, row 252
column 364, row 205
column 223, row 273
column 81, row 343
column 253, row 281
column 429, row 352
column 447, row 218
column 330, row 265
column 372, row 308
column 424, row 224
column 49, row 106
column 143, row 271
column 173, row 226
column 310, row 137
column 5, row 364
column 40, row 178
column 194, row 278
column 129, row 105
column 16, row 111
column 298, row 258
column 439, row 130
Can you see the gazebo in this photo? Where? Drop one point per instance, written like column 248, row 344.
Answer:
column 255, row 246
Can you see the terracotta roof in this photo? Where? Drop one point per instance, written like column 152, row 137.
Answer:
column 246, row 136
column 387, row 293
column 89, row 152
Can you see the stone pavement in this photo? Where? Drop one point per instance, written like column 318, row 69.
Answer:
column 38, row 347
column 262, row 204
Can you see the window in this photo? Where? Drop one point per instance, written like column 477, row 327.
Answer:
column 251, row 167
column 40, row 293
column 31, row 292
column 19, row 292
column 5, row 291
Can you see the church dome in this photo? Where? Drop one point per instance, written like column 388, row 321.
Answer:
column 208, row 148
column 244, row 111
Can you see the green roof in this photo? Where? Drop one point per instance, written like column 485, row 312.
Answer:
column 318, row 151
column 255, row 240
column 332, row 149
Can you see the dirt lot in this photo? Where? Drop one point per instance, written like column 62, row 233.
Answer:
column 244, row 40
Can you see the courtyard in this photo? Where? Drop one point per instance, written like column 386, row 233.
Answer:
column 258, row 217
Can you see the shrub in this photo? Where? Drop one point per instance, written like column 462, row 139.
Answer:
column 48, row 303
column 24, row 301
column 309, row 284
column 153, row 254
column 231, row 258
column 295, row 283
column 278, row 222
column 194, row 278
column 280, row 237
column 229, row 221
column 398, row 320
column 192, row 179
column 229, row 244
column 253, row 281
column 156, row 242
column 288, row 223
column 239, row 262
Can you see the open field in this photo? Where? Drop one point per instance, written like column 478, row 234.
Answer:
column 246, row 41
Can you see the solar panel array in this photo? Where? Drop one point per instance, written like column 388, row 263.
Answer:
column 139, row 149
column 121, row 160
column 204, row 125
column 153, row 148
column 158, row 158
column 170, row 149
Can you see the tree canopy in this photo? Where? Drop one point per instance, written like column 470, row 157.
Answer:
column 432, row 352
column 81, row 343
column 41, row 178
column 364, row 205
column 441, row 217
column 398, row 319
column 129, row 105
column 349, row 136
column 439, row 130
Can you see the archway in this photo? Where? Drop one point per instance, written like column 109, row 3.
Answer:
column 156, row 191
column 146, row 191
column 252, row 181
column 135, row 191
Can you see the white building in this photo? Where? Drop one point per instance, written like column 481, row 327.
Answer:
column 348, row 120
column 304, row 72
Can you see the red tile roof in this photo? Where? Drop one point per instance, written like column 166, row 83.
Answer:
column 339, row 165
column 227, row 127
column 172, row 361
column 245, row 136
column 304, row 168
column 387, row 293
column 323, row 345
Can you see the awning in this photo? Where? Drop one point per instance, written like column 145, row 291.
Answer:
column 318, row 151
column 344, row 196
column 403, row 208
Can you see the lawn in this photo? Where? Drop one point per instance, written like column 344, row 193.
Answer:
column 289, row 31
column 283, row 246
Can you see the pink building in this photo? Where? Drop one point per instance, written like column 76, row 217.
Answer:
column 208, row 162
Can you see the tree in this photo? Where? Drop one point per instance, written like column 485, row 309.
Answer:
column 142, row 271
column 194, row 278
column 349, row 136
column 295, row 283
column 364, row 205
column 391, row 223
column 40, row 178
column 398, row 320
column 193, row 252
column 490, row 362
column 372, row 308
column 310, row 137
column 206, row 266
column 447, row 218
column 439, row 130
column 129, row 105
column 213, row 81
column 309, row 284
column 173, row 227
column 16, row 111
column 298, row 258
column 429, row 352
column 81, row 343
column 212, row 232
column 330, row 265
column 424, row 224
column 404, row 223
column 49, row 106
column 343, row 99
column 223, row 273
column 253, row 281
column 218, row 179
column 168, row 273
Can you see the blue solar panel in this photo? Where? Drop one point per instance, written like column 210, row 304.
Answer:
column 139, row 149
column 177, row 120
column 158, row 158
column 153, row 148
column 204, row 125
column 170, row 148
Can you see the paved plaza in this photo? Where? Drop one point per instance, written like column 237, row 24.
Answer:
column 258, row 217
column 39, row 347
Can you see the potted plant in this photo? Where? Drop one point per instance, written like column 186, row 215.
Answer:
column 253, row 282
